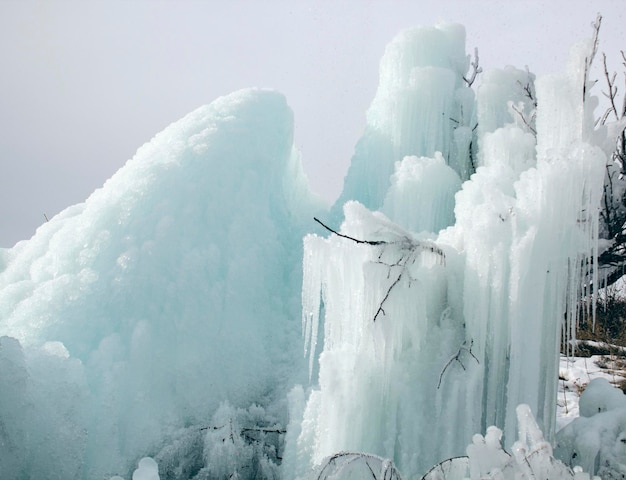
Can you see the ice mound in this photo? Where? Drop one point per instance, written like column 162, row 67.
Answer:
column 146, row 470
column 174, row 287
column 600, row 396
column 597, row 439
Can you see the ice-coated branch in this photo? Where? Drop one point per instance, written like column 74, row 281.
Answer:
column 457, row 358
column 594, row 49
column 405, row 242
column 624, row 65
column 611, row 94
column 595, row 39
column 244, row 431
column 408, row 248
column 401, row 263
column 528, row 87
column 524, row 119
column 619, row 155
column 476, row 69
column 355, row 464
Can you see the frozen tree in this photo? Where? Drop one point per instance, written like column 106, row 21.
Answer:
column 613, row 214
column 610, row 127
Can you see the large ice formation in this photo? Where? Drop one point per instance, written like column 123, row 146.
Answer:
column 161, row 318
column 173, row 288
column 435, row 325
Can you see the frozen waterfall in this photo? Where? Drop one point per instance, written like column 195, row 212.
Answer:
column 158, row 324
column 435, row 325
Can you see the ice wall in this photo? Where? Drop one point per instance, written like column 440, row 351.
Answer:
column 431, row 334
column 173, row 288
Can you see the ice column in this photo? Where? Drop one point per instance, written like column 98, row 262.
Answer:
column 429, row 338
column 422, row 106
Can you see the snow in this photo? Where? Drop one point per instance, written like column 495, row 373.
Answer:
column 596, row 442
column 156, row 328
column 146, row 470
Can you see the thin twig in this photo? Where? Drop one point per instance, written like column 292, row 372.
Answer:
column 408, row 249
column 521, row 115
column 456, row 357
column 612, row 93
column 594, row 49
column 380, row 306
column 368, row 242
column 476, row 69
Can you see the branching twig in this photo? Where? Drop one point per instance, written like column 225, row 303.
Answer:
column 523, row 118
column 408, row 248
column 594, row 49
column 456, row 357
column 624, row 65
column 611, row 94
column 401, row 263
column 412, row 244
column 476, row 69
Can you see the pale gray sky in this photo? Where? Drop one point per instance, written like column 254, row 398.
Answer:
column 86, row 83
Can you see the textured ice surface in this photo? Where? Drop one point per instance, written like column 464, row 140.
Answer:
column 161, row 318
column 172, row 288
column 420, row 103
column 431, row 334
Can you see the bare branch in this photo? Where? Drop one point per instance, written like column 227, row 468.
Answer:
column 456, row 358
column 408, row 250
column 528, row 88
column 523, row 118
column 404, row 242
column 476, row 69
column 335, row 465
column 368, row 242
column 594, row 49
column 612, row 91
column 596, row 38
column 264, row 430
column 380, row 306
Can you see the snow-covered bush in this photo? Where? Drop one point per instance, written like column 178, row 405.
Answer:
column 597, row 439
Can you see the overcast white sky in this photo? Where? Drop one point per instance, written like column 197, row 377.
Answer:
column 83, row 84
